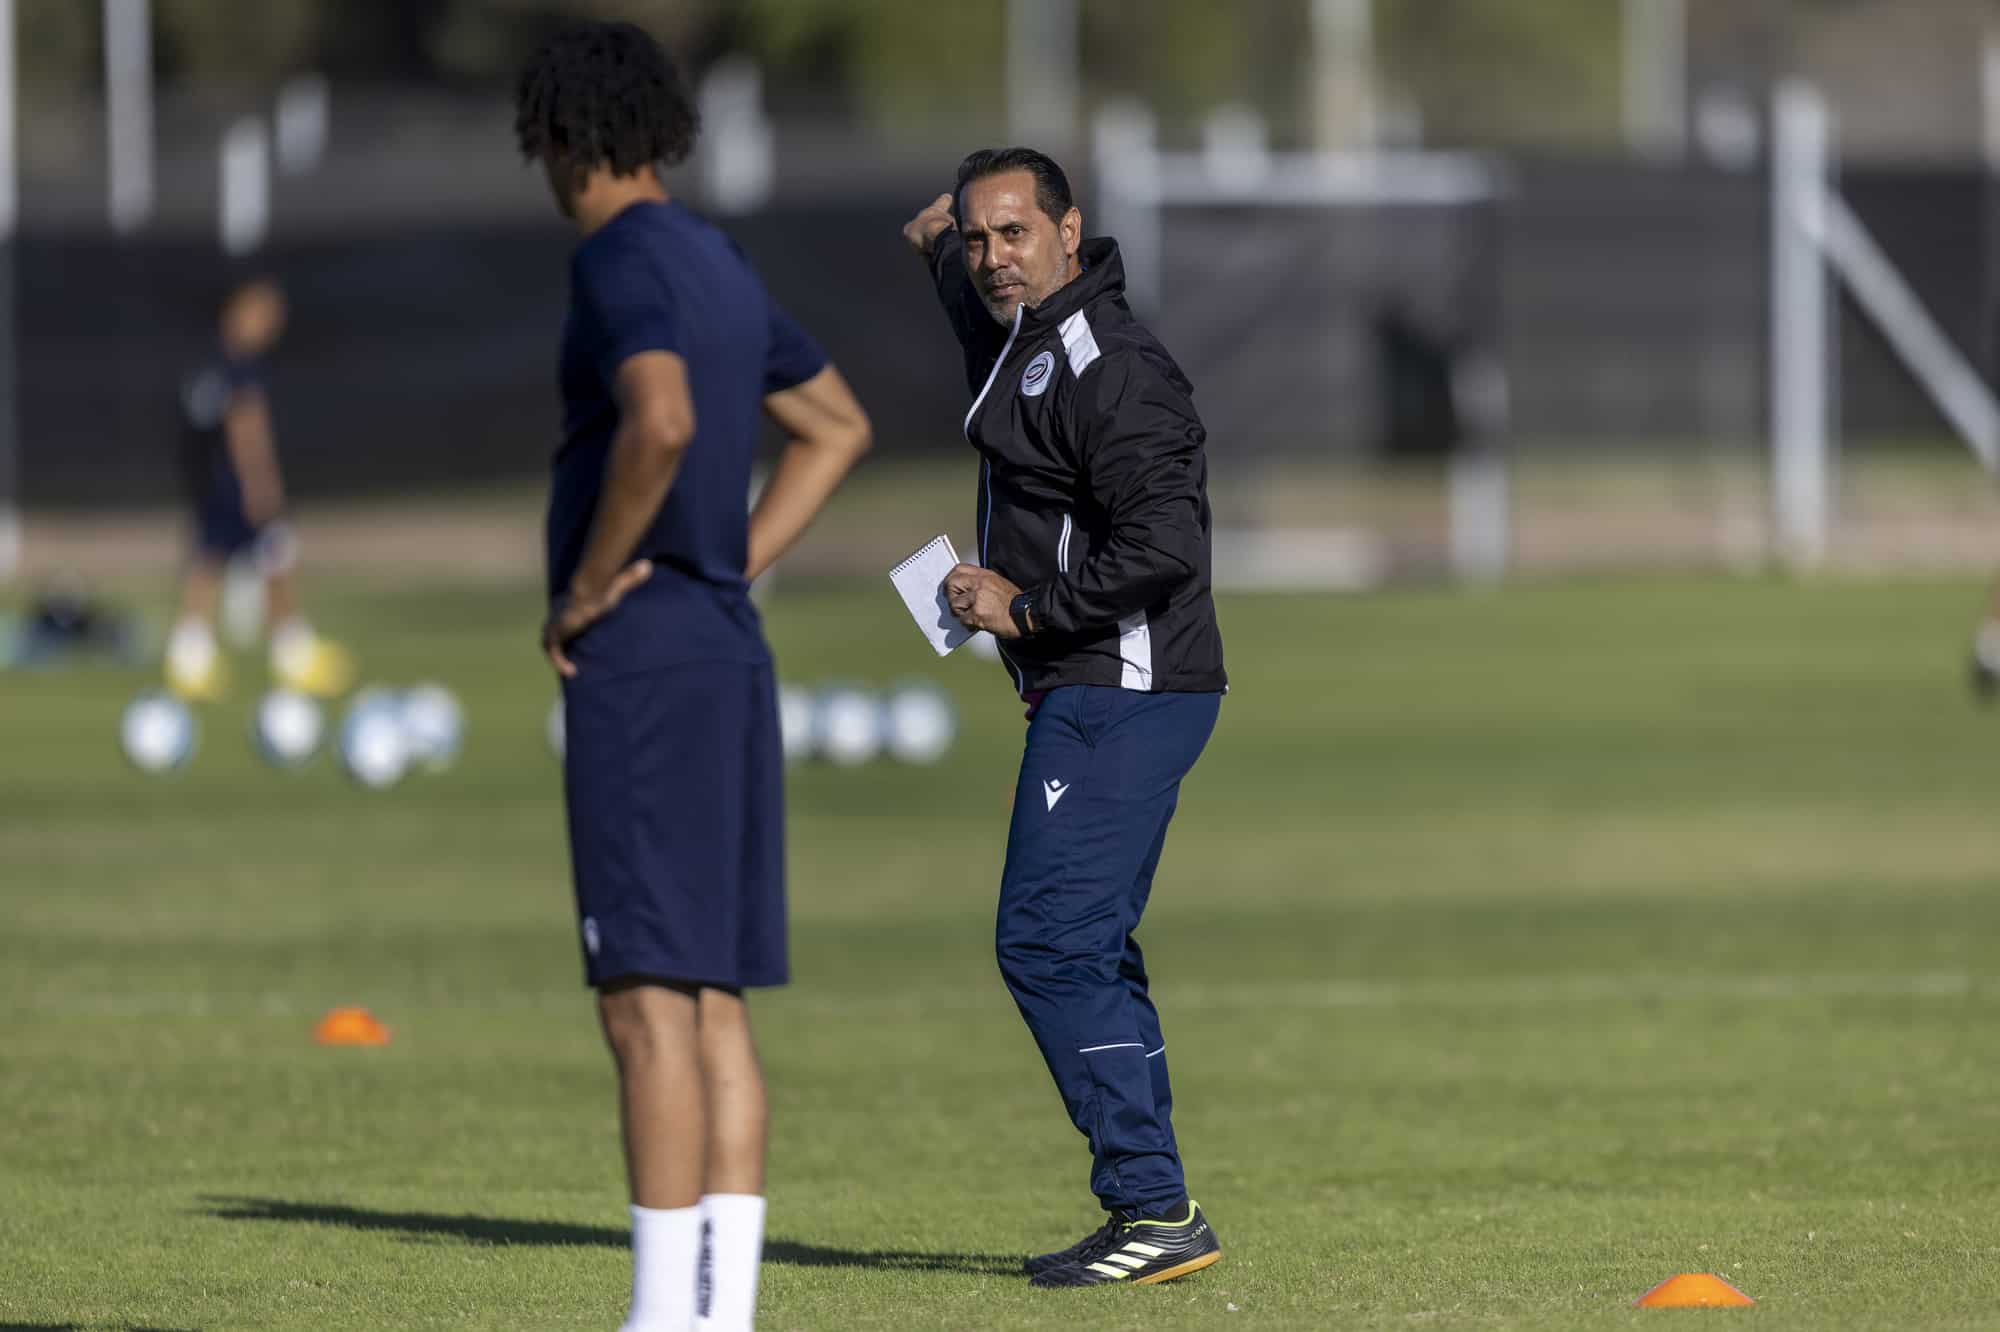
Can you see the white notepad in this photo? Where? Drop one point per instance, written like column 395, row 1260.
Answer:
column 921, row 581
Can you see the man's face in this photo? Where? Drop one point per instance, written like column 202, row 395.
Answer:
column 255, row 319
column 1016, row 253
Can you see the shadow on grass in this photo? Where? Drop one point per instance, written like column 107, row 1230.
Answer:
column 424, row 1226
column 793, row 1254
column 75, row 1327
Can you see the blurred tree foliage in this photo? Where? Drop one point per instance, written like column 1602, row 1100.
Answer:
column 58, row 43
column 486, row 40
column 1476, row 70
column 1486, row 71
column 208, row 41
column 203, row 41
column 904, row 62
column 1185, row 59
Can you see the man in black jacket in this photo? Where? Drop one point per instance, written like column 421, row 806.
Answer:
column 1094, row 574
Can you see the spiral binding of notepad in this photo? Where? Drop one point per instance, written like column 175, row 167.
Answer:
column 927, row 548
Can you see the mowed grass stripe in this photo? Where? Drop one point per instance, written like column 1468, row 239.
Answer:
column 1515, row 991
column 1516, row 950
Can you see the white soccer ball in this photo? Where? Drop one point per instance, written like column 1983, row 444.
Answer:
column 556, row 728
column 158, row 733
column 373, row 749
column 795, row 722
column 287, row 728
column 433, row 726
column 919, row 723
column 375, row 698
column 847, row 727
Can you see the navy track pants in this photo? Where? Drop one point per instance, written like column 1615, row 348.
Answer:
column 1100, row 777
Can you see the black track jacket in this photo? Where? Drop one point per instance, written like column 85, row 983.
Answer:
column 1093, row 493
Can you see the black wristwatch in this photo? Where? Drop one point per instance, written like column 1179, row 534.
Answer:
column 1022, row 611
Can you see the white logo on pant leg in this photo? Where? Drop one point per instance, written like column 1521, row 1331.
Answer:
column 1053, row 791
column 590, row 935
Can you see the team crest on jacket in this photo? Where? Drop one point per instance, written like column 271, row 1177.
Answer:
column 1036, row 377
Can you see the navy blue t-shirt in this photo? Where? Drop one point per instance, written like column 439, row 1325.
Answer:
column 659, row 278
column 207, row 394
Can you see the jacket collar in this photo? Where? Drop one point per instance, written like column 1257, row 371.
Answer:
column 1103, row 275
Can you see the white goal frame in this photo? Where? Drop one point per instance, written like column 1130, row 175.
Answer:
column 1817, row 238
column 1136, row 181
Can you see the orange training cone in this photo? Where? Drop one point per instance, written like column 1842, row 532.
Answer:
column 350, row 1026
column 1693, row 1290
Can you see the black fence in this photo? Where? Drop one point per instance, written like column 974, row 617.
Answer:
column 1631, row 307
column 418, row 360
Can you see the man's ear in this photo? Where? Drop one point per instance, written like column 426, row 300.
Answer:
column 1072, row 232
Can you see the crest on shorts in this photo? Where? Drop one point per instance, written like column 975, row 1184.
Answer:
column 1035, row 379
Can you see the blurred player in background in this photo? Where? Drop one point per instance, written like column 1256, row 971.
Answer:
column 672, row 355
column 1093, row 574
column 1986, row 651
column 238, row 490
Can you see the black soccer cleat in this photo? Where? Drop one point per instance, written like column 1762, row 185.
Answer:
column 1094, row 1245
column 1985, row 680
column 1142, row 1253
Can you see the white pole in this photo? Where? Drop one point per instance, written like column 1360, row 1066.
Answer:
column 1989, row 98
column 1126, row 162
column 1479, row 484
column 1988, row 347
column 303, row 117
column 128, row 111
column 1801, row 465
column 10, row 408
column 1655, row 72
column 1481, row 514
column 1236, row 147
column 1043, row 59
column 1343, row 75
column 738, row 159
column 246, row 186
column 10, row 190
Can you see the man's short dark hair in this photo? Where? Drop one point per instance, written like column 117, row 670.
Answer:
column 604, row 94
column 1052, row 194
column 238, row 283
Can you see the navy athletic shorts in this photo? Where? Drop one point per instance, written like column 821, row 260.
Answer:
column 221, row 530
column 674, row 779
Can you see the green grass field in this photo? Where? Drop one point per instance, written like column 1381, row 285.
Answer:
column 1516, row 951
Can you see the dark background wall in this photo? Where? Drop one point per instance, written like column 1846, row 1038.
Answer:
column 418, row 359
column 1630, row 308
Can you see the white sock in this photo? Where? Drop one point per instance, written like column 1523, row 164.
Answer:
column 292, row 643
column 1986, row 645
column 191, row 646
column 666, row 1250
column 243, row 602
column 734, row 1249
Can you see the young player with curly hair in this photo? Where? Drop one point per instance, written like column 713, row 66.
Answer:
column 672, row 354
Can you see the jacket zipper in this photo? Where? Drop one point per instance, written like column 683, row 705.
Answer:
column 994, row 373
column 986, row 528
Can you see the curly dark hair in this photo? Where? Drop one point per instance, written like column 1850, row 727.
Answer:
column 604, row 94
